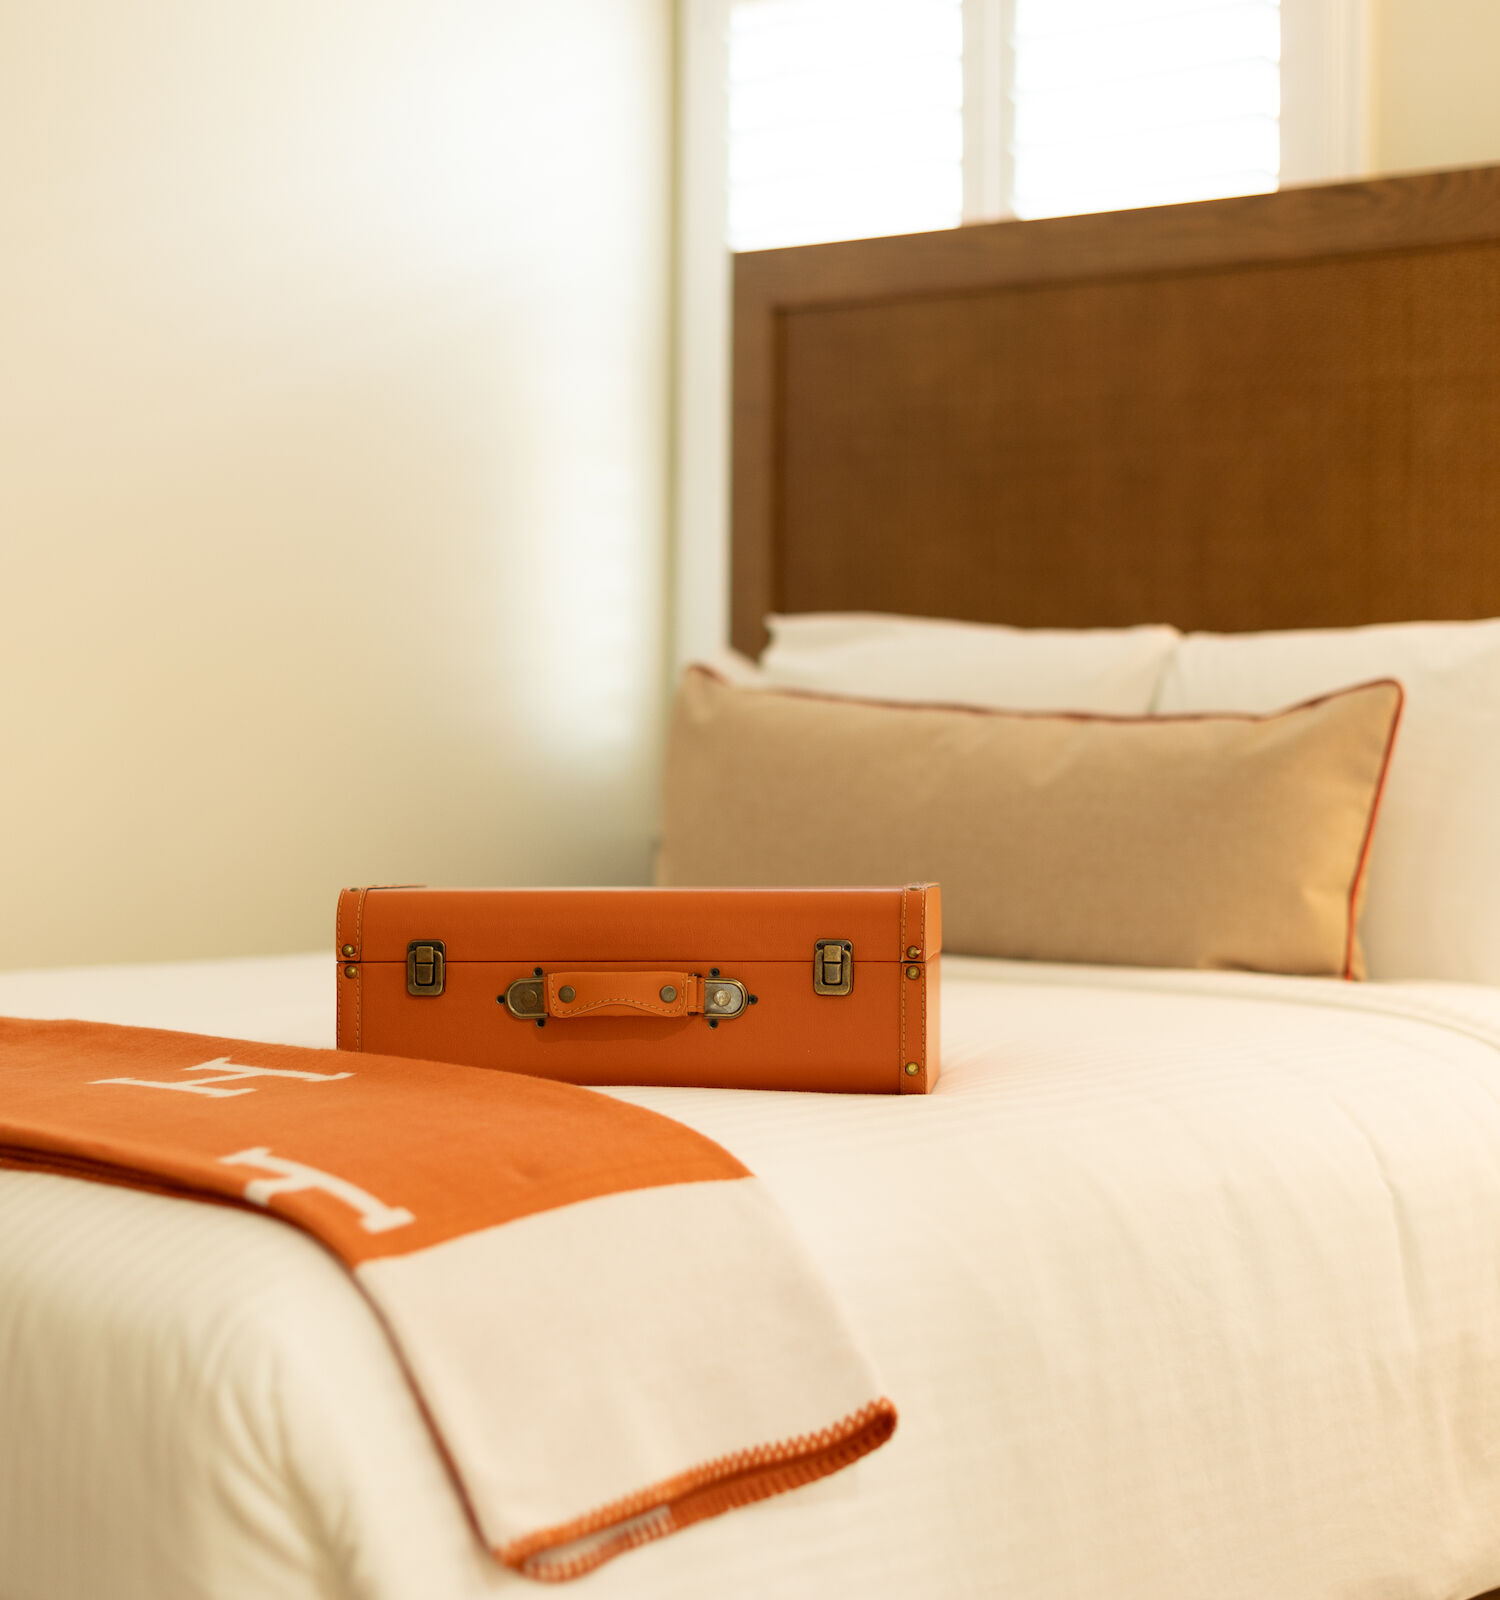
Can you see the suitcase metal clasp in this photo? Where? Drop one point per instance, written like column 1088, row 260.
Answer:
column 425, row 964
column 833, row 966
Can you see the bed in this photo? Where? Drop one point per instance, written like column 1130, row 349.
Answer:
column 1185, row 1283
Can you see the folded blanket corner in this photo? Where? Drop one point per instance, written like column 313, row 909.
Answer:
column 608, row 1324
column 555, row 1555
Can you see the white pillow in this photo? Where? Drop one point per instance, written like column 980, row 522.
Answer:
column 1433, row 904
column 1112, row 670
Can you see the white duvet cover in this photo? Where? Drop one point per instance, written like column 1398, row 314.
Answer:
column 1187, row 1287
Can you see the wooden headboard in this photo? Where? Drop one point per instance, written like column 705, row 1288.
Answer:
column 1276, row 411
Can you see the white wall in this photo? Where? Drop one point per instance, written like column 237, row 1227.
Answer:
column 334, row 378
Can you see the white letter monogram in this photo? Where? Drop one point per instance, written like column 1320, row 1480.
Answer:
column 374, row 1215
column 228, row 1073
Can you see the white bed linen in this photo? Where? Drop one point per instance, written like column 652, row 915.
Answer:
column 1187, row 1286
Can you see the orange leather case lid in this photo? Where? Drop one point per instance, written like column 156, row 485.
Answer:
column 667, row 927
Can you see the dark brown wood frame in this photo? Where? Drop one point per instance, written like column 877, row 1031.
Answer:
column 1275, row 411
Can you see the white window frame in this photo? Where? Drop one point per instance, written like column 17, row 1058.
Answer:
column 1325, row 66
column 988, row 112
column 699, row 554
column 1324, row 137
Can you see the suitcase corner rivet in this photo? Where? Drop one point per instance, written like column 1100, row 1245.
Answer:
column 914, row 972
column 913, row 951
column 912, row 1069
column 351, row 972
column 348, row 950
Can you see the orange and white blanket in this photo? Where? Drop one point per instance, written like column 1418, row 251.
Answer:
column 608, row 1323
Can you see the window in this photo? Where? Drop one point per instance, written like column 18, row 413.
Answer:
column 857, row 117
column 1142, row 102
column 845, row 118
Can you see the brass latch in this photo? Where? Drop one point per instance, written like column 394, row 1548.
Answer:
column 425, row 966
column 833, row 966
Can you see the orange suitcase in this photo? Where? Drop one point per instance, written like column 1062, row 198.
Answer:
column 826, row 989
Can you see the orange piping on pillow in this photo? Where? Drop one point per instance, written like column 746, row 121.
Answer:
column 1364, row 851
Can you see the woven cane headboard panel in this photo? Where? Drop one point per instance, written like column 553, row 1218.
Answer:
column 1277, row 411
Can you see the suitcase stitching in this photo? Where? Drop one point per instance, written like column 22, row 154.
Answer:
column 338, row 993
column 926, row 956
column 922, row 1015
column 901, row 1062
column 359, row 982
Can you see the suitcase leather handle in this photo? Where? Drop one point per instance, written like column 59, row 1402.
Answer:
column 625, row 994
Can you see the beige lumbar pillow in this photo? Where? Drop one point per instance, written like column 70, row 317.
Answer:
column 1203, row 841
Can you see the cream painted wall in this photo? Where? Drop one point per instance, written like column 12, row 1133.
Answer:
column 1434, row 83
column 334, row 378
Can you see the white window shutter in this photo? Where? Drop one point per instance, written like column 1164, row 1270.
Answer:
column 858, row 117
column 1143, row 102
column 845, row 119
